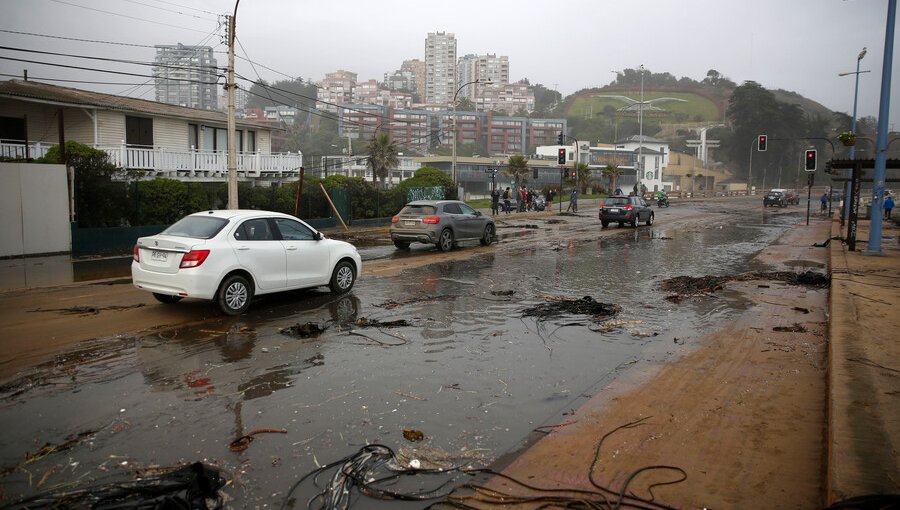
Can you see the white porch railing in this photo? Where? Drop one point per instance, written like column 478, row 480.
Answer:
column 186, row 165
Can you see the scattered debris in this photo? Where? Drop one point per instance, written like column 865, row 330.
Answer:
column 800, row 309
column 584, row 306
column 796, row 328
column 503, row 292
column 242, row 443
column 306, row 330
column 413, row 435
column 195, row 486
column 553, row 221
column 409, row 395
column 689, row 286
column 364, row 322
column 87, row 309
column 390, row 303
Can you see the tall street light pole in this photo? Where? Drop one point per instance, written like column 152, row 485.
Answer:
column 859, row 58
column 640, row 170
column 232, row 150
column 453, row 144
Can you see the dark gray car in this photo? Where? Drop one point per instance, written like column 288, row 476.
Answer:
column 621, row 209
column 442, row 223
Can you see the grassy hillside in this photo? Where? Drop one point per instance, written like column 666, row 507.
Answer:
column 698, row 108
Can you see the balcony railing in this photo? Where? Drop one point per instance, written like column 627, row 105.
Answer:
column 186, row 165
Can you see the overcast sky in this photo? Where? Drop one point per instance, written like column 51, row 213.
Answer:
column 797, row 45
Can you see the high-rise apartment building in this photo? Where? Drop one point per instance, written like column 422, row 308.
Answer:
column 417, row 68
column 440, row 67
column 481, row 67
column 186, row 76
column 335, row 90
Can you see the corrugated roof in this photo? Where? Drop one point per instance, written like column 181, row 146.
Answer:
column 25, row 90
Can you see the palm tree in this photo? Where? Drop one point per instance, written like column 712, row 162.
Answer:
column 517, row 167
column 583, row 171
column 691, row 177
column 612, row 172
column 702, row 184
column 382, row 157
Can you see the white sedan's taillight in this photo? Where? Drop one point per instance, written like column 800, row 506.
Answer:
column 193, row 258
column 137, row 253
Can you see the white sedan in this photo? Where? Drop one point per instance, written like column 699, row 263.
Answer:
column 229, row 256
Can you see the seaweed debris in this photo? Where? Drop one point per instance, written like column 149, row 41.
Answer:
column 305, row 330
column 688, row 286
column 557, row 306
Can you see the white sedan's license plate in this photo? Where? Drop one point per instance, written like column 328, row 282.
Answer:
column 159, row 256
column 614, row 210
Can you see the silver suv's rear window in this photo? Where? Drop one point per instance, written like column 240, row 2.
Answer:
column 418, row 209
column 198, row 227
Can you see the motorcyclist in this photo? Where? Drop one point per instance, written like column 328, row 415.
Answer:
column 662, row 198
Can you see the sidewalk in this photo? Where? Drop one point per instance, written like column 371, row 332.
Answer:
column 864, row 368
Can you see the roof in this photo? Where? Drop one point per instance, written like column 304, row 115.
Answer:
column 66, row 96
column 637, row 139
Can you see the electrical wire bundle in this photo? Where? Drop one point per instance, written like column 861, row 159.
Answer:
column 374, row 467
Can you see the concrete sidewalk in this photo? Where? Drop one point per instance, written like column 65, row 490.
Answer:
column 864, row 368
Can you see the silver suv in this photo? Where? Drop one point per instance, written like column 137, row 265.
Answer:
column 443, row 223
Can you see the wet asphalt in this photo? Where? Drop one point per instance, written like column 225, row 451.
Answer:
column 467, row 369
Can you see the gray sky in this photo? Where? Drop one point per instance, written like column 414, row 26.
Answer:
column 797, row 45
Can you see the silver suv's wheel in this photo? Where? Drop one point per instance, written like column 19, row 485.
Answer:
column 445, row 241
column 488, row 236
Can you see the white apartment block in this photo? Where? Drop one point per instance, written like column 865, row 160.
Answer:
column 440, row 68
column 417, row 68
column 484, row 68
column 335, row 89
column 509, row 98
column 186, row 76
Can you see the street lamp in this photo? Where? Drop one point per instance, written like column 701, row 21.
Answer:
column 859, row 58
column 640, row 165
column 453, row 156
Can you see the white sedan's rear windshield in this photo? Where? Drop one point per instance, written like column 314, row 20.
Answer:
column 199, row 227
column 418, row 209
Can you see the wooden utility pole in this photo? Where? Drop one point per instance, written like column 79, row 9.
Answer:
column 232, row 150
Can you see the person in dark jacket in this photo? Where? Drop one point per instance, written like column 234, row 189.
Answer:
column 495, row 201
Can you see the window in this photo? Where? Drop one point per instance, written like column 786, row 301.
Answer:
column 193, row 136
column 12, row 128
column 466, row 209
column 251, row 141
column 138, row 131
column 452, row 209
column 294, row 230
column 254, row 230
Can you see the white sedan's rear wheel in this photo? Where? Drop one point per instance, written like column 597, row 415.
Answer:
column 234, row 295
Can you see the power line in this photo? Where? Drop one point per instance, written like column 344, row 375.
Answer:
column 105, row 59
column 41, row 78
column 127, row 16
column 93, row 69
column 186, row 7
column 167, row 10
column 77, row 39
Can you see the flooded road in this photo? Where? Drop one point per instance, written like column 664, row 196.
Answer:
column 466, row 367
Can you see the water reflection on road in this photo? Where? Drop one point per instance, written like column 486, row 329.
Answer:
column 468, row 370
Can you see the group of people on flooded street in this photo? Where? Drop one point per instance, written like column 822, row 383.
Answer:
column 527, row 199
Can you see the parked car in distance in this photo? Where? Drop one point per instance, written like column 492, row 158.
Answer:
column 774, row 198
column 230, row 256
column 443, row 223
column 792, row 197
column 625, row 209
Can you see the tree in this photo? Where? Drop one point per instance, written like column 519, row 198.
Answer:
column 100, row 194
column 517, row 167
column 612, row 172
column 464, row 104
column 583, row 171
column 382, row 157
column 430, row 177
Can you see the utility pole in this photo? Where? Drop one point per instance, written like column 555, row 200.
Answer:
column 232, row 150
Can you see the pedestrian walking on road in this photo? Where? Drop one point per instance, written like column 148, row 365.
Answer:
column 495, row 201
column 824, row 201
column 523, row 199
column 573, row 201
column 549, row 198
column 888, row 207
column 506, row 197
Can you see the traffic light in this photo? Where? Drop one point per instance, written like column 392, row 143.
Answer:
column 810, row 160
column 573, row 175
column 561, row 156
column 761, row 143
column 559, row 139
column 828, row 168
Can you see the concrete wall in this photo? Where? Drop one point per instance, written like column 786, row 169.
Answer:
column 34, row 205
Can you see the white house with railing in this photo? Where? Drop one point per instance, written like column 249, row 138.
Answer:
column 160, row 139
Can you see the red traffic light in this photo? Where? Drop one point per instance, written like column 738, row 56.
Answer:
column 561, row 157
column 810, row 160
column 761, row 143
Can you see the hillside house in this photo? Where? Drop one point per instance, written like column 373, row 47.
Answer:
column 163, row 140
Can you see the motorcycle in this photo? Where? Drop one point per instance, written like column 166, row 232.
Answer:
column 539, row 204
column 662, row 202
